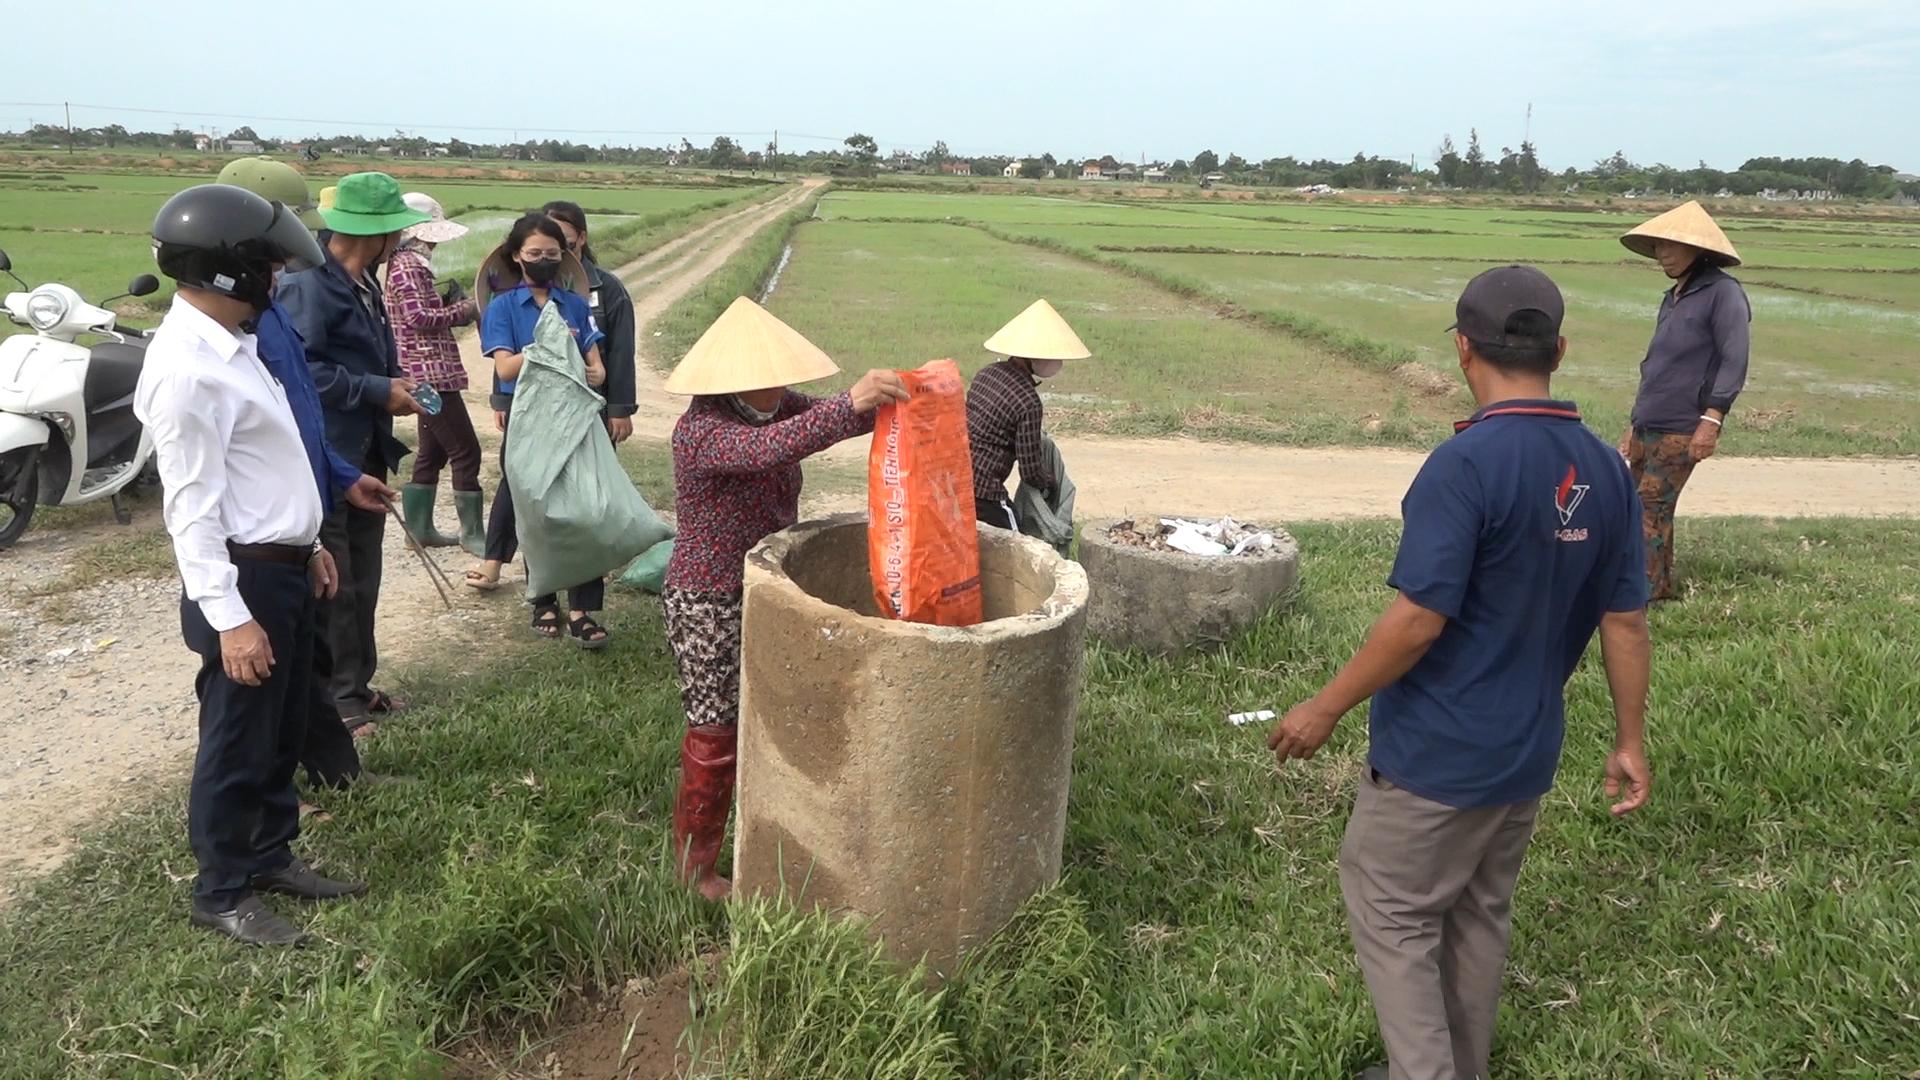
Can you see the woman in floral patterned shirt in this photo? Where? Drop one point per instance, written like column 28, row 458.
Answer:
column 423, row 322
column 736, row 475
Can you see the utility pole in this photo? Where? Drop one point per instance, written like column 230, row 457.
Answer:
column 69, row 107
column 1526, row 134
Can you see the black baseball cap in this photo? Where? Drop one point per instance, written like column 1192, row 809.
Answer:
column 1515, row 306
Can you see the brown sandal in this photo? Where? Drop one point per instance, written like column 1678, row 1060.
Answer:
column 477, row 579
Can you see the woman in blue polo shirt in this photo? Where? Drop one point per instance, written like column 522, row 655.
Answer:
column 536, row 246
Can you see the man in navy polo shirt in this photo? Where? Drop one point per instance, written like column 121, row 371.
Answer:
column 1522, row 536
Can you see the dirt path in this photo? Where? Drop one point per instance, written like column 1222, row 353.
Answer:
column 101, row 705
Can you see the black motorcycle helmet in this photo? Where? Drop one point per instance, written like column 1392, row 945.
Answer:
column 227, row 240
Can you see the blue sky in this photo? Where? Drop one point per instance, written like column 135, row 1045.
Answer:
column 1674, row 82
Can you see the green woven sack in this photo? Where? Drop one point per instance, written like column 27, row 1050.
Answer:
column 579, row 515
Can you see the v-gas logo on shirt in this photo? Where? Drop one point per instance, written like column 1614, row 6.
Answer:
column 1567, row 499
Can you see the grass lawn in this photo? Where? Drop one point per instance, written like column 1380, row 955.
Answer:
column 1758, row 919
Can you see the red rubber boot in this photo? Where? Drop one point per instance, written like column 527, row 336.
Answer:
column 705, row 800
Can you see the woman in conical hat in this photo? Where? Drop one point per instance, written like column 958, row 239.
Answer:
column 1695, row 367
column 736, row 479
column 1004, row 411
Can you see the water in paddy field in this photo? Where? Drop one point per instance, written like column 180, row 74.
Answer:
column 774, row 281
column 460, row 259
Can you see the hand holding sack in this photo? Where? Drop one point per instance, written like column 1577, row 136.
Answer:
column 923, row 544
column 579, row 515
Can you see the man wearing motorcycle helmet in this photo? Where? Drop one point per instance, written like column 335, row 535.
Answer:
column 327, row 754
column 245, row 522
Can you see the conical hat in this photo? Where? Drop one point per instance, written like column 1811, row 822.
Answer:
column 745, row 349
column 1038, row 333
column 1688, row 223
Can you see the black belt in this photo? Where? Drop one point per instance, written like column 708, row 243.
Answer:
column 290, row 554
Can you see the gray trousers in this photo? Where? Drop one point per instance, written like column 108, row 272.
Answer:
column 354, row 537
column 1429, row 893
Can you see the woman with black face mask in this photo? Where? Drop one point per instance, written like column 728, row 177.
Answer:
column 612, row 313
column 535, row 246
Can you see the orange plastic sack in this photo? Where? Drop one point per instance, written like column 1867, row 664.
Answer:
column 922, row 544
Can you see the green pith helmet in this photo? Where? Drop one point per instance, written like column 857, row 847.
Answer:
column 274, row 180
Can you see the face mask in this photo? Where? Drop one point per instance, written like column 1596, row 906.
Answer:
column 541, row 273
column 750, row 414
column 1047, row 369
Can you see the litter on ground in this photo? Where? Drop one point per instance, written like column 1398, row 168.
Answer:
column 1210, row 537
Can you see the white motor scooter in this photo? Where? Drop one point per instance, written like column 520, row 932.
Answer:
column 67, row 430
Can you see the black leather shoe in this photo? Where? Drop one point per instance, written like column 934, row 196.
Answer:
column 250, row 923
column 298, row 879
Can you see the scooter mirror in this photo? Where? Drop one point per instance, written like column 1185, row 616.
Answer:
column 6, row 264
column 144, row 285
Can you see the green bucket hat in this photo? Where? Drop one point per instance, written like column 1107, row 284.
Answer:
column 369, row 204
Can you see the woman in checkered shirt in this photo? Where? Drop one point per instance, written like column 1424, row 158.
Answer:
column 1004, row 411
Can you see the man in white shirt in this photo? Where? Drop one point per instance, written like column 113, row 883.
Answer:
column 245, row 517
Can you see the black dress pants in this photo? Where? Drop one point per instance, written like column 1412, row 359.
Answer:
column 242, row 812
column 354, row 537
column 327, row 753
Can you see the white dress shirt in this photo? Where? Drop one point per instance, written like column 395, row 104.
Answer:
column 230, row 456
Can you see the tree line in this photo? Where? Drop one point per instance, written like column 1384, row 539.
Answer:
column 1517, row 171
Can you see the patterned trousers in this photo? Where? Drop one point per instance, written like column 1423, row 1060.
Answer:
column 1661, row 464
column 703, row 628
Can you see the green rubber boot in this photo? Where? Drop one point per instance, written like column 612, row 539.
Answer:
column 416, row 504
column 473, row 522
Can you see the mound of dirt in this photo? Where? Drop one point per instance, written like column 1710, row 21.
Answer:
column 1425, row 381
column 634, row 1035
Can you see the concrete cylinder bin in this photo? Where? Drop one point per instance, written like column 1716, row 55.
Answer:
column 916, row 775
column 1169, row 602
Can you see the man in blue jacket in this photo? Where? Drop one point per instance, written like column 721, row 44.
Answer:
column 339, row 313
column 1522, row 536
column 327, row 752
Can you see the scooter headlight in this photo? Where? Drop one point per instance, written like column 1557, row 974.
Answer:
column 46, row 310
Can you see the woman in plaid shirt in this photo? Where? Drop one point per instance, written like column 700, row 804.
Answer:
column 423, row 323
column 1004, row 411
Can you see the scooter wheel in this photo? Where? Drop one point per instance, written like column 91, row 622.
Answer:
column 19, row 492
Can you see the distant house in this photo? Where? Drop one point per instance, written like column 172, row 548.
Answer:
column 1155, row 175
column 437, row 151
column 1214, row 177
column 383, row 151
column 1011, row 171
column 242, row 146
column 957, row 168
column 901, row 161
column 1092, row 171
column 203, row 142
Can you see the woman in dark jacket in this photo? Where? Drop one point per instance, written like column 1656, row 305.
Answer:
column 612, row 313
